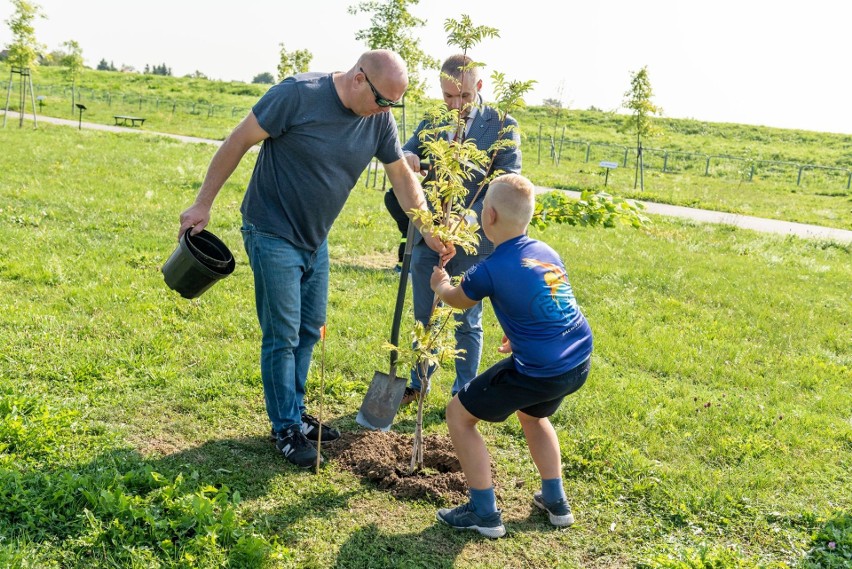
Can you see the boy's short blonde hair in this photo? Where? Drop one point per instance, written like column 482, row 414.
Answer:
column 513, row 197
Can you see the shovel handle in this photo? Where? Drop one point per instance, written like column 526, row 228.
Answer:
column 400, row 296
column 403, row 276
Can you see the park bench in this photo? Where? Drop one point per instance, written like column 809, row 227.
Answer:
column 124, row 120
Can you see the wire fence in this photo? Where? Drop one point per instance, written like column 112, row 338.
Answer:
column 139, row 102
column 681, row 162
column 718, row 166
column 548, row 146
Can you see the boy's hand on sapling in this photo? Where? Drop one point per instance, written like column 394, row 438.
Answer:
column 439, row 277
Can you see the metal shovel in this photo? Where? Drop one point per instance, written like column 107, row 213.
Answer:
column 384, row 395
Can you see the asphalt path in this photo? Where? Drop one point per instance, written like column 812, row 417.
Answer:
column 802, row 230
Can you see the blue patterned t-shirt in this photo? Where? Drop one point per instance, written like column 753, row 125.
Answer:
column 533, row 300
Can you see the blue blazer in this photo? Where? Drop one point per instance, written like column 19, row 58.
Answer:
column 485, row 131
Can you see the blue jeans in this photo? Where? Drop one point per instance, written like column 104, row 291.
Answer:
column 469, row 332
column 291, row 294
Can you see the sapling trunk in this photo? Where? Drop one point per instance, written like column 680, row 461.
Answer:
column 435, row 333
column 417, row 451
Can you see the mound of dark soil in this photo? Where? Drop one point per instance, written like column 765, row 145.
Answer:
column 384, row 458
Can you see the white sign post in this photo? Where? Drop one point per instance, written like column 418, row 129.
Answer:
column 609, row 166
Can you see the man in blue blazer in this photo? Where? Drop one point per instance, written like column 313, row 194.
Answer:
column 482, row 124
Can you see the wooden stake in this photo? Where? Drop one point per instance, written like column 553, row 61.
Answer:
column 322, row 391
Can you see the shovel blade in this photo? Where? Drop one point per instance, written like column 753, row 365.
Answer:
column 381, row 402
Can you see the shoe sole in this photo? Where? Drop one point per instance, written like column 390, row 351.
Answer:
column 558, row 521
column 492, row 533
column 273, row 438
column 324, row 440
column 307, row 467
column 312, row 464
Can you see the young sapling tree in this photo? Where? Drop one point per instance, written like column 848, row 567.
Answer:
column 638, row 101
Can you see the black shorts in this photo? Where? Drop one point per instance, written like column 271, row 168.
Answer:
column 500, row 391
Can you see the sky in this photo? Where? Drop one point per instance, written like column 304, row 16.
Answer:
column 772, row 63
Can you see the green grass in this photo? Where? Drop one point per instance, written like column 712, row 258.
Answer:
column 714, row 430
column 822, row 197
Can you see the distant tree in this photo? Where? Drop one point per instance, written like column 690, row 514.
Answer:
column 72, row 60
column 638, row 101
column 194, row 75
column 24, row 49
column 54, row 58
column 127, row 68
column 158, row 70
column 104, row 66
column 391, row 27
column 555, row 105
column 264, row 78
column 292, row 62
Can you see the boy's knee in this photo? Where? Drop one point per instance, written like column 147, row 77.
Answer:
column 458, row 416
column 529, row 420
column 452, row 410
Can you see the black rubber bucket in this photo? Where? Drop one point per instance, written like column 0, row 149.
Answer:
column 198, row 262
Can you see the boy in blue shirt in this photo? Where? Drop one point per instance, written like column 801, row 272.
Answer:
column 550, row 344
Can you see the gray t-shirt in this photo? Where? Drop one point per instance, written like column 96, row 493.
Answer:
column 316, row 150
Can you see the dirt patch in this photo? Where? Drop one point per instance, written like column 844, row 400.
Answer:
column 157, row 447
column 384, row 458
column 378, row 260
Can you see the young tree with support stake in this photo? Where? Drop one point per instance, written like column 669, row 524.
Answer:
column 23, row 53
column 73, row 62
column 638, row 100
column 391, row 28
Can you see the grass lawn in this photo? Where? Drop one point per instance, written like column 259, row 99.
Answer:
column 715, row 429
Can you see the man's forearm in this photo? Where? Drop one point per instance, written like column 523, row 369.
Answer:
column 405, row 186
column 407, row 206
column 228, row 157
column 223, row 164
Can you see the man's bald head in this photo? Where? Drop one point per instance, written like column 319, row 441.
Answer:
column 386, row 63
column 386, row 70
column 378, row 74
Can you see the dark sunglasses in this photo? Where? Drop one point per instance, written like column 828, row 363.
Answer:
column 380, row 101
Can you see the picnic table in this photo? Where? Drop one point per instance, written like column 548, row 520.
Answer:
column 123, row 120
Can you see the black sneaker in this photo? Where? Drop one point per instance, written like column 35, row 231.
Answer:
column 463, row 517
column 296, row 448
column 559, row 512
column 311, row 429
